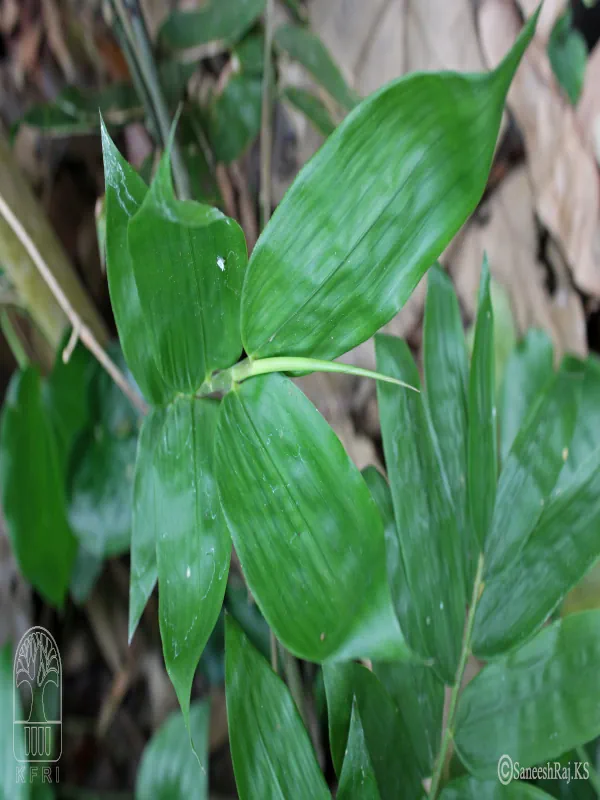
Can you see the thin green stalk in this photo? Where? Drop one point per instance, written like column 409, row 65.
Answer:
column 134, row 25
column 593, row 776
column 13, row 341
column 266, row 132
column 448, row 734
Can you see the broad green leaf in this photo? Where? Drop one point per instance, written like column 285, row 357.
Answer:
column 528, row 369
column 482, row 460
column 250, row 54
column 532, row 467
column 563, row 546
column 192, row 144
column 169, row 769
column 446, row 375
column 357, row 781
column 189, row 262
column 536, row 702
column 387, row 740
column 307, row 533
column 233, row 117
column 419, row 697
column 305, row 47
column 76, row 112
column 245, row 612
column 10, row 788
column 125, row 191
column 33, row 490
column 568, row 53
column 312, row 108
column 470, row 788
column 429, row 541
column 100, row 485
column 144, row 530
column 193, row 548
column 270, row 748
column 586, row 438
column 419, row 150
column 217, row 20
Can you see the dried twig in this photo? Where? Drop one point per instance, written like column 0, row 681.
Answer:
column 82, row 331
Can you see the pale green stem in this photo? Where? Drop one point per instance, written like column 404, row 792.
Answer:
column 266, row 132
column 224, row 381
column 13, row 341
column 448, row 734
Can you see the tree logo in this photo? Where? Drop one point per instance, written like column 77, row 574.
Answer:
column 37, row 698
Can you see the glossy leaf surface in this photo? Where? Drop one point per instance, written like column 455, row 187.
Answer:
column 270, row 748
column 305, row 47
column 357, row 781
column 312, row 108
column 192, row 546
column 189, row 262
column 564, row 545
column 217, row 20
column 307, row 533
column 169, row 770
column 474, row 789
column 482, row 459
column 421, row 149
column 125, row 191
column 428, row 537
column 529, row 367
column 33, row 490
column 586, row 437
column 144, row 532
column 532, row 466
column 446, row 376
column 536, row 702
column 387, row 740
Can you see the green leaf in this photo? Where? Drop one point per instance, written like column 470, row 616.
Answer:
column 528, row 369
column 306, row 531
column 482, row 459
column 586, row 438
column 446, row 376
column 568, row 53
column 100, row 486
column 217, row 20
column 429, row 542
column 563, row 546
column 10, row 788
column 422, row 148
column 419, row 697
column 470, row 788
column 125, row 191
column 192, row 546
column 536, row 702
column 33, row 491
column 532, row 467
column 250, row 54
column 169, row 769
column 357, row 781
column 144, row 531
column 189, row 262
column 233, row 117
column 303, row 46
column 312, row 108
column 387, row 740
column 271, row 752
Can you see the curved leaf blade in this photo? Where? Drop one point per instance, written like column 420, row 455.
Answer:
column 193, row 548
column 586, row 437
column 169, row 767
column 470, row 788
column 357, row 781
column 422, row 147
column 428, row 538
column 33, row 490
column 564, row 545
column 125, row 192
column 482, row 459
column 217, row 21
column 535, row 703
column 188, row 262
column 312, row 108
column 270, row 748
column 446, row 376
column 307, row 533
